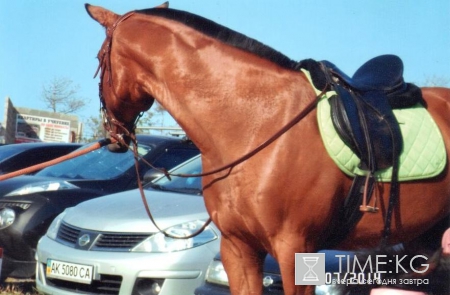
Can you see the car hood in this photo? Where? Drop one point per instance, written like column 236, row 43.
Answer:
column 100, row 185
column 125, row 211
column 8, row 185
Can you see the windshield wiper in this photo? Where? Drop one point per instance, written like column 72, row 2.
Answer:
column 186, row 190
column 190, row 190
column 157, row 187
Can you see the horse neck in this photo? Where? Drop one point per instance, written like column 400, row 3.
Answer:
column 223, row 97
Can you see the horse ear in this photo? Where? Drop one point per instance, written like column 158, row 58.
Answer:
column 105, row 17
column 164, row 5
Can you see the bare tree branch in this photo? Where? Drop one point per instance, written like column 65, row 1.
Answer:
column 60, row 95
column 436, row 81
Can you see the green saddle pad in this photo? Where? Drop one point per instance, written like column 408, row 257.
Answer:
column 423, row 155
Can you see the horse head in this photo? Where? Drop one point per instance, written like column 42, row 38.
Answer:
column 122, row 97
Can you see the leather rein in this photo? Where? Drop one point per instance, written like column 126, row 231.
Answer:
column 105, row 68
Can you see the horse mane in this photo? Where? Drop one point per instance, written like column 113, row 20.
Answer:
column 223, row 34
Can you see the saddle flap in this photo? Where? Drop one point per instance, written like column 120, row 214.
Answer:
column 368, row 127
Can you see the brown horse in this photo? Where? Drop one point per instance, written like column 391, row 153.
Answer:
column 230, row 94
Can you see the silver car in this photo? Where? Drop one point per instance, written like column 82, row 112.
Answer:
column 109, row 245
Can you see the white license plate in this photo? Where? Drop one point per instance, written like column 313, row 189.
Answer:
column 70, row 271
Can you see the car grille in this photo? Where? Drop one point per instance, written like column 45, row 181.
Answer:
column 107, row 285
column 22, row 205
column 68, row 234
column 119, row 241
column 98, row 241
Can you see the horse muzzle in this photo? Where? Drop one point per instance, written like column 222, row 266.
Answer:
column 120, row 143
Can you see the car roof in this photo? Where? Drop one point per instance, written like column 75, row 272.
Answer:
column 155, row 139
column 18, row 156
column 32, row 145
column 10, row 151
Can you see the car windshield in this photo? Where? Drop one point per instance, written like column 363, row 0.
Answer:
column 188, row 185
column 99, row 164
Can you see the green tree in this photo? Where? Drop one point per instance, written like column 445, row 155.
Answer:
column 152, row 117
column 94, row 129
column 160, row 110
column 145, row 121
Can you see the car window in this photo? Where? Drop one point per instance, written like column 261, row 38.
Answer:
column 35, row 156
column 190, row 185
column 173, row 157
column 14, row 157
column 98, row 164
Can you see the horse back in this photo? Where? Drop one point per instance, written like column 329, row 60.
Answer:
column 438, row 104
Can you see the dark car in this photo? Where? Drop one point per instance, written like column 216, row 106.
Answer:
column 216, row 282
column 14, row 157
column 28, row 204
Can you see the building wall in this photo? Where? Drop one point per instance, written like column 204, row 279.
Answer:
column 44, row 120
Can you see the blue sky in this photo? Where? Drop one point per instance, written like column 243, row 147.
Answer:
column 45, row 39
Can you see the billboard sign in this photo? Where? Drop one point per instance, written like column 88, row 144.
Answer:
column 35, row 129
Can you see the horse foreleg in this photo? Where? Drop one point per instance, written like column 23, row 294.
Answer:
column 285, row 248
column 287, row 268
column 289, row 287
column 243, row 266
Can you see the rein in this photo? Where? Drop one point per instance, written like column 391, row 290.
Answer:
column 27, row 170
column 284, row 129
column 229, row 166
column 105, row 66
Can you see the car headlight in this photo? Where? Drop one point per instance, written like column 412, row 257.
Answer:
column 216, row 273
column 41, row 187
column 160, row 243
column 53, row 229
column 7, row 217
column 324, row 289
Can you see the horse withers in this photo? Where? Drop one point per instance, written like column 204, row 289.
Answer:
column 231, row 94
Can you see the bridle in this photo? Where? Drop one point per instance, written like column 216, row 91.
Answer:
column 109, row 120
column 105, row 68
